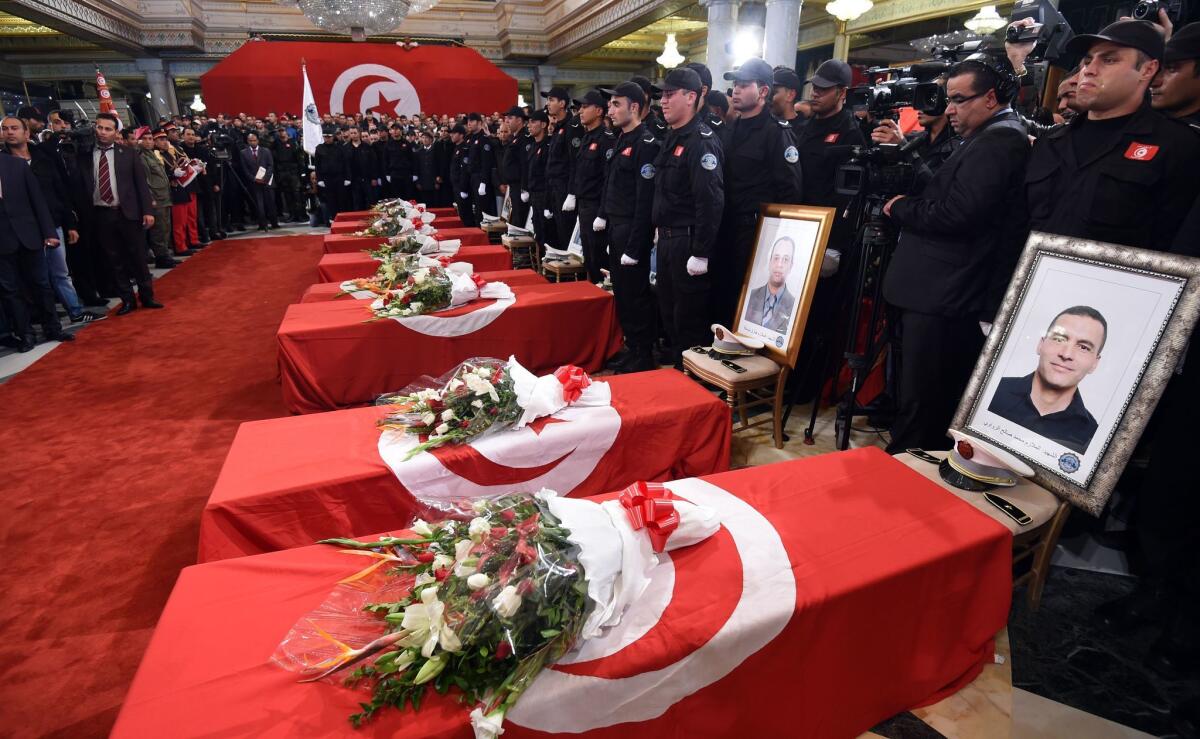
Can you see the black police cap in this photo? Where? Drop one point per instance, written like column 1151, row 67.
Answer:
column 646, row 85
column 630, row 90
column 833, row 73
column 702, row 71
column 558, row 93
column 29, row 112
column 540, row 115
column 517, row 111
column 752, row 70
column 460, row 128
column 681, row 78
column 1185, row 44
column 594, row 97
column 786, row 77
column 1141, row 35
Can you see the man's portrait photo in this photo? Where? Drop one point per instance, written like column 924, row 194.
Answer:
column 1047, row 401
column 770, row 305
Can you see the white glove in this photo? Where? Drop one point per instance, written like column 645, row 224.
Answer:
column 697, row 266
column 627, row 261
column 482, row 189
column 830, row 262
column 524, row 196
column 547, row 214
column 320, row 183
column 462, row 195
column 569, row 203
column 388, row 177
column 179, row 173
column 346, row 183
column 414, row 178
column 599, row 224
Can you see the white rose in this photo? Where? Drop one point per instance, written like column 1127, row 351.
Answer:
column 428, row 419
column 442, row 562
column 421, row 528
column 478, row 580
column 479, row 506
column 441, row 429
column 489, row 726
column 447, row 414
column 507, row 602
column 462, row 548
column 476, row 403
column 415, row 308
column 479, row 529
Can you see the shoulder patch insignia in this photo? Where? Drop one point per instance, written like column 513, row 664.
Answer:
column 593, row 146
column 709, row 161
column 627, row 151
column 790, row 155
column 647, row 171
column 608, row 154
column 1141, row 152
column 832, row 138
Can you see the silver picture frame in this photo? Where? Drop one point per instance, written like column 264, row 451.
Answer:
column 1146, row 372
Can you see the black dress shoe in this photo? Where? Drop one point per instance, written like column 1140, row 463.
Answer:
column 165, row 263
column 617, row 360
column 639, row 361
column 26, row 344
column 126, row 308
column 1142, row 607
column 9, row 340
column 186, row 253
column 152, row 304
column 274, row 226
column 262, row 228
column 60, row 336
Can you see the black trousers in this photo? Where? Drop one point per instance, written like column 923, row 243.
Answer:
column 361, row 196
column 735, row 246
column 542, row 226
column 483, row 203
column 124, row 241
column 466, row 208
column 631, row 288
column 684, row 300
column 26, row 292
column 564, row 221
column 595, row 243
column 520, row 211
column 288, row 185
column 937, row 355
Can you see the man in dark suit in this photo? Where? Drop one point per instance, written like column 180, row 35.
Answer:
column 122, row 210
column 26, row 230
column 957, row 247
column 259, row 167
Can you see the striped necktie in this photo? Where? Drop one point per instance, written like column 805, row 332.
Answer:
column 104, row 181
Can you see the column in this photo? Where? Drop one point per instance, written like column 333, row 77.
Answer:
column 782, row 29
column 543, row 79
column 722, row 26
column 841, row 42
column 161, row 84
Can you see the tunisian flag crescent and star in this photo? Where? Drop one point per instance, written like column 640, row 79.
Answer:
column 366, row 78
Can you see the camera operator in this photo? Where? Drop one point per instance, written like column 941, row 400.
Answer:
column 1175, row 90
column 762, row 165
column 1122, row 173
column 956, row 237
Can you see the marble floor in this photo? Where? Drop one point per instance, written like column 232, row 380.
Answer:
column 1057, row 678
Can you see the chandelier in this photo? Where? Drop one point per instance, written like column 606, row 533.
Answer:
column 987, row 21
column 358, row 16
column 670, row 57
column 848, row 10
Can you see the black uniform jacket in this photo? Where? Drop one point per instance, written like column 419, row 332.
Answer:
column 689, row 188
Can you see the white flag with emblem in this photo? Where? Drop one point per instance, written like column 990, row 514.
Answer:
column 312, row 121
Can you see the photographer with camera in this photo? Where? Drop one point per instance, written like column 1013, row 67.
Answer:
column 957, row 238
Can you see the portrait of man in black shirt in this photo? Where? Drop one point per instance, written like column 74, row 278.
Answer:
column 1047, row 401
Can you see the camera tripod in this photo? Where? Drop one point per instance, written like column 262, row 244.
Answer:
column 873, row 247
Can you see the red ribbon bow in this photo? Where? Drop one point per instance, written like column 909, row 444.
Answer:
column 648, row 508
column 479, row 281
column 444, row 260
column 417, row 223
column 574, row 380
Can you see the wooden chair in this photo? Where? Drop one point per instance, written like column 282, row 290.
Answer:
column 760, row 386
column 1034, row 541
column 574, row 270
column 495, row 231
column 523, row 250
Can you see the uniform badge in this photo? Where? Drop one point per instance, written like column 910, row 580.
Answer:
column 832, row 138
column 1068, row 462
column 647, row 171
column 1141, row 152
column 608, row 154
column 708, row 161
column 790, row 155
column 593, row 146
column 678, row 150
column 627, row 151
column 576, row 142
column 487, row 147
column 527, row 146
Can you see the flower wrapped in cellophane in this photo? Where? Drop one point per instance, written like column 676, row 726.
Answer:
column 480, row 602
column 423, row 290
column 478, row 396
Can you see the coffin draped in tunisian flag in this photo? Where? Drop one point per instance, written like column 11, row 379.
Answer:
column 264, row 76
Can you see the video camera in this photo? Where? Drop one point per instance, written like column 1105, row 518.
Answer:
column 1147, row 10
column 1050, row 30
column 913, row 86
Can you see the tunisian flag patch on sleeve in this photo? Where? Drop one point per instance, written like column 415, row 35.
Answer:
column 1140, row 152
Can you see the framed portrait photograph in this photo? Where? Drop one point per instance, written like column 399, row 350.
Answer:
column 782, row 276
column 1084, row 344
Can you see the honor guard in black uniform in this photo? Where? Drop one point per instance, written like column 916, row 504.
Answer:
column 479, row 151
column 1121, row 173
column 625, row 212
column 398, row 174
column 762, row 165
column 565, row 135
column 511, row 169
column 289, row 164
column 364, row 172
column 712, row 120
column 689, row 196
column 587, row 182
column 785, row 91
column 460, row 176
column 535, row 177
column 425, row 170
column 331, row 171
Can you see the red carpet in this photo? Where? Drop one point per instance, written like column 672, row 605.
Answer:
column 111, row 447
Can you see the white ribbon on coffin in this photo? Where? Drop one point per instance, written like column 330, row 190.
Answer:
column 581, row 435
column 766, row 604
column 430, row 245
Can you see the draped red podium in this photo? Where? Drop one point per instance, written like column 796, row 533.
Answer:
column 342, row 243
column 345, row 227
column 323, row 292
column 362, row 215
column 343, row 266
column 288, row 482
column 332, row 356
column 841, row 590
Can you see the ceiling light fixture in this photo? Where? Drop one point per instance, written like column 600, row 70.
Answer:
column 746, row 44
column 986, row 22
column 848, row 10
column 198, row 104
column 670, row 57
